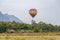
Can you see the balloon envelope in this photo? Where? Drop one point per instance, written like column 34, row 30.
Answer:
column 33, row 12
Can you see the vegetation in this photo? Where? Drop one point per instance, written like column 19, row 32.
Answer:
column 29, row 37
column 11, row 27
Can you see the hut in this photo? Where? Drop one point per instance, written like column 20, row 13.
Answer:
column 11, row 31
column 22, row 31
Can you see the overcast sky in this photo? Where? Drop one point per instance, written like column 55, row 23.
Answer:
column 48, row 10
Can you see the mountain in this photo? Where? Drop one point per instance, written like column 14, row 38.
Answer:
column 9, row 18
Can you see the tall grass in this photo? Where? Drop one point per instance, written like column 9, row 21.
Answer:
column 30, row 37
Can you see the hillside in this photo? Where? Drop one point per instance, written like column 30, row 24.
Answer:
column 9, row 18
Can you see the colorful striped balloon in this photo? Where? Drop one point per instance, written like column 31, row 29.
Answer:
column 33, row 12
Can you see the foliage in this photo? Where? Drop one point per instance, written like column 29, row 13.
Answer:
column 28, row 28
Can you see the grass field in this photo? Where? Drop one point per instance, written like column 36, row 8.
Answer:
column 31, row 37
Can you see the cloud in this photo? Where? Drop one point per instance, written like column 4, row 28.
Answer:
column 48, row 10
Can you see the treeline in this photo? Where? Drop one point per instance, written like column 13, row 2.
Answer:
column 14, row 27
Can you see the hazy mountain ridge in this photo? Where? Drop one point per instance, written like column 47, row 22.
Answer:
column 9, row 18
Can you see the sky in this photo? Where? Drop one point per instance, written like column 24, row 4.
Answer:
column 48, row 10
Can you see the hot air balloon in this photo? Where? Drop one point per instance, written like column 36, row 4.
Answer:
column 33, row 12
